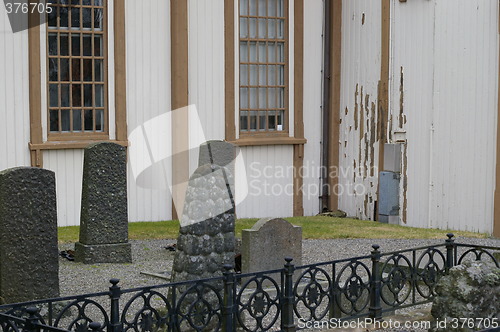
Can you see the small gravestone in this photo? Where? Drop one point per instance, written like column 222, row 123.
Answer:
column 29, row 261
column 104, row 218
column 206, row 237
column 268, row 242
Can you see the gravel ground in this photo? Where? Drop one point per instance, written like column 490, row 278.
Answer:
column 151, row 256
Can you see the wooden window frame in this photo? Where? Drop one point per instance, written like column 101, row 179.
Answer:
column 231, row 16
column 37, row 143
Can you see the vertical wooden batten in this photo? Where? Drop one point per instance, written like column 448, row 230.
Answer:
column 120, row 71
column 298, row 100
column 180, row 99
column 383, row 86
column 334, row 106
column 35, row 90
column 229, row 91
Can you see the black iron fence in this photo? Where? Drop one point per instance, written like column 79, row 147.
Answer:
column 282, row 299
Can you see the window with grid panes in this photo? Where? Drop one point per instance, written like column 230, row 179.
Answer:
column 263, row 66
column 76, row 62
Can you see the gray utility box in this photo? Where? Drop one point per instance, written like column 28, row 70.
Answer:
column 392, row 157
column 389, row 196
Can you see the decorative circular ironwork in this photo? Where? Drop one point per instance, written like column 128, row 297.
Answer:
column 354, row 294
column 429, row 269
column 81, row 321
column 200, row 308
column 396, row 280
column 315, row 295
column 10, row 326
column 151, row 316
column 258, row 310
column 478, row 256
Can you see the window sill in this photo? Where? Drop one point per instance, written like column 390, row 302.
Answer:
column 60, row 145
column 269, row 140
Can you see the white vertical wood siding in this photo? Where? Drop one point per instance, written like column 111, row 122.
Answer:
column 448, row 53
column 206, row 69
column 269, row 171
column 14, row 96
column 313, row 59
column 148, row 98
column 361, row 44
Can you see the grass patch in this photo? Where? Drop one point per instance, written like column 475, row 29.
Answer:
column 316, row 227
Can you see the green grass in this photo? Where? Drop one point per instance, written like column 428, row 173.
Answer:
column 317, row 227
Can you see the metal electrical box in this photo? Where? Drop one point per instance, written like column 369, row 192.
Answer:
column 392, row 157
column 389, row 196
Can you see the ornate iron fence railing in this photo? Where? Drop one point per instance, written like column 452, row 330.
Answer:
column 282, row 299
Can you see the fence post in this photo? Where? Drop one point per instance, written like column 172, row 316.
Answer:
column 375, row 308
column 287, row 320
column 32, row 320
column 94, row 326
column 228, row 313
column 450, row 262
column 114, row 294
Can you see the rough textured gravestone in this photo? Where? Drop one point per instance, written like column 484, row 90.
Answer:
column 29, row 261
column 104, row 216
column 206, row 237
column 268, row 242
column 470, row 291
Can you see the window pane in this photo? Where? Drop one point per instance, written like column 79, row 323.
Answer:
column 262, row 75
column 98, row 18
column 253, row 98
column 75, row 70
column 262, row 7
column 53, row 69
column 271, row 120
column 281, row 29
column 87, row 70
column 244, row 120
column 243, row 74
column 243, row 97
column 271, row 97
column 281, row 116
column 243, row 27
column 262, row 28
column 271, row 52
column 87, row 44
column 75, row 17
column 99, row 120
column 86, row 2
column 52, row 43
column 281, row 8
column 75, row 44
column 53, row 95
column 262, row 98
column 262, row 52
column 87, row 95
column 253, row 75
column 52, row 18
column 88, row 120
column 64, row 95
column 99, row 71
column 63, row 40
column 77, row 120
column 253, row 52
column 271, row 75
column 262, row 121
column 65, row 120
column 243, row 52
column 97, row 2
column 271, row 8
column 54, row 120
column 87, row 18
column 99, row 95
column 98, row 45
column 281, row 75
column 281, row 97
column 75, row 2
column 64, row 69
column 253, row 28
column 253, row 120
column 243, row 7
column 76, row 94
column 253, row 7
column 63, row 17
column 271, row 29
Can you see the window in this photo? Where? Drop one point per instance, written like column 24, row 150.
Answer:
column 76, row 62
column 263, row 49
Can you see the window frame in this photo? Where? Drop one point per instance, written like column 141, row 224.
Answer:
column 80, row 135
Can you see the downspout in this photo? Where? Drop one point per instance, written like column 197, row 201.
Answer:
column 325, row 107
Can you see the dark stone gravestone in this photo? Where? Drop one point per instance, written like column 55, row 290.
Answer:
column 29, row 261
column 104, row 216
column 219, row 153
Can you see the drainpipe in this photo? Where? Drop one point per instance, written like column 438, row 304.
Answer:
column 325, row 107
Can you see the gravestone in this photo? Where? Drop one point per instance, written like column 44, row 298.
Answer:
column 268, row 242
column 104, row 216
column 206, row 238
column 29, row 261
column 220, row 153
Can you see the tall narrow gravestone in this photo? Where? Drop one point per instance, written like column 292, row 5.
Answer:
column 104, row 216
column 29, row 265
